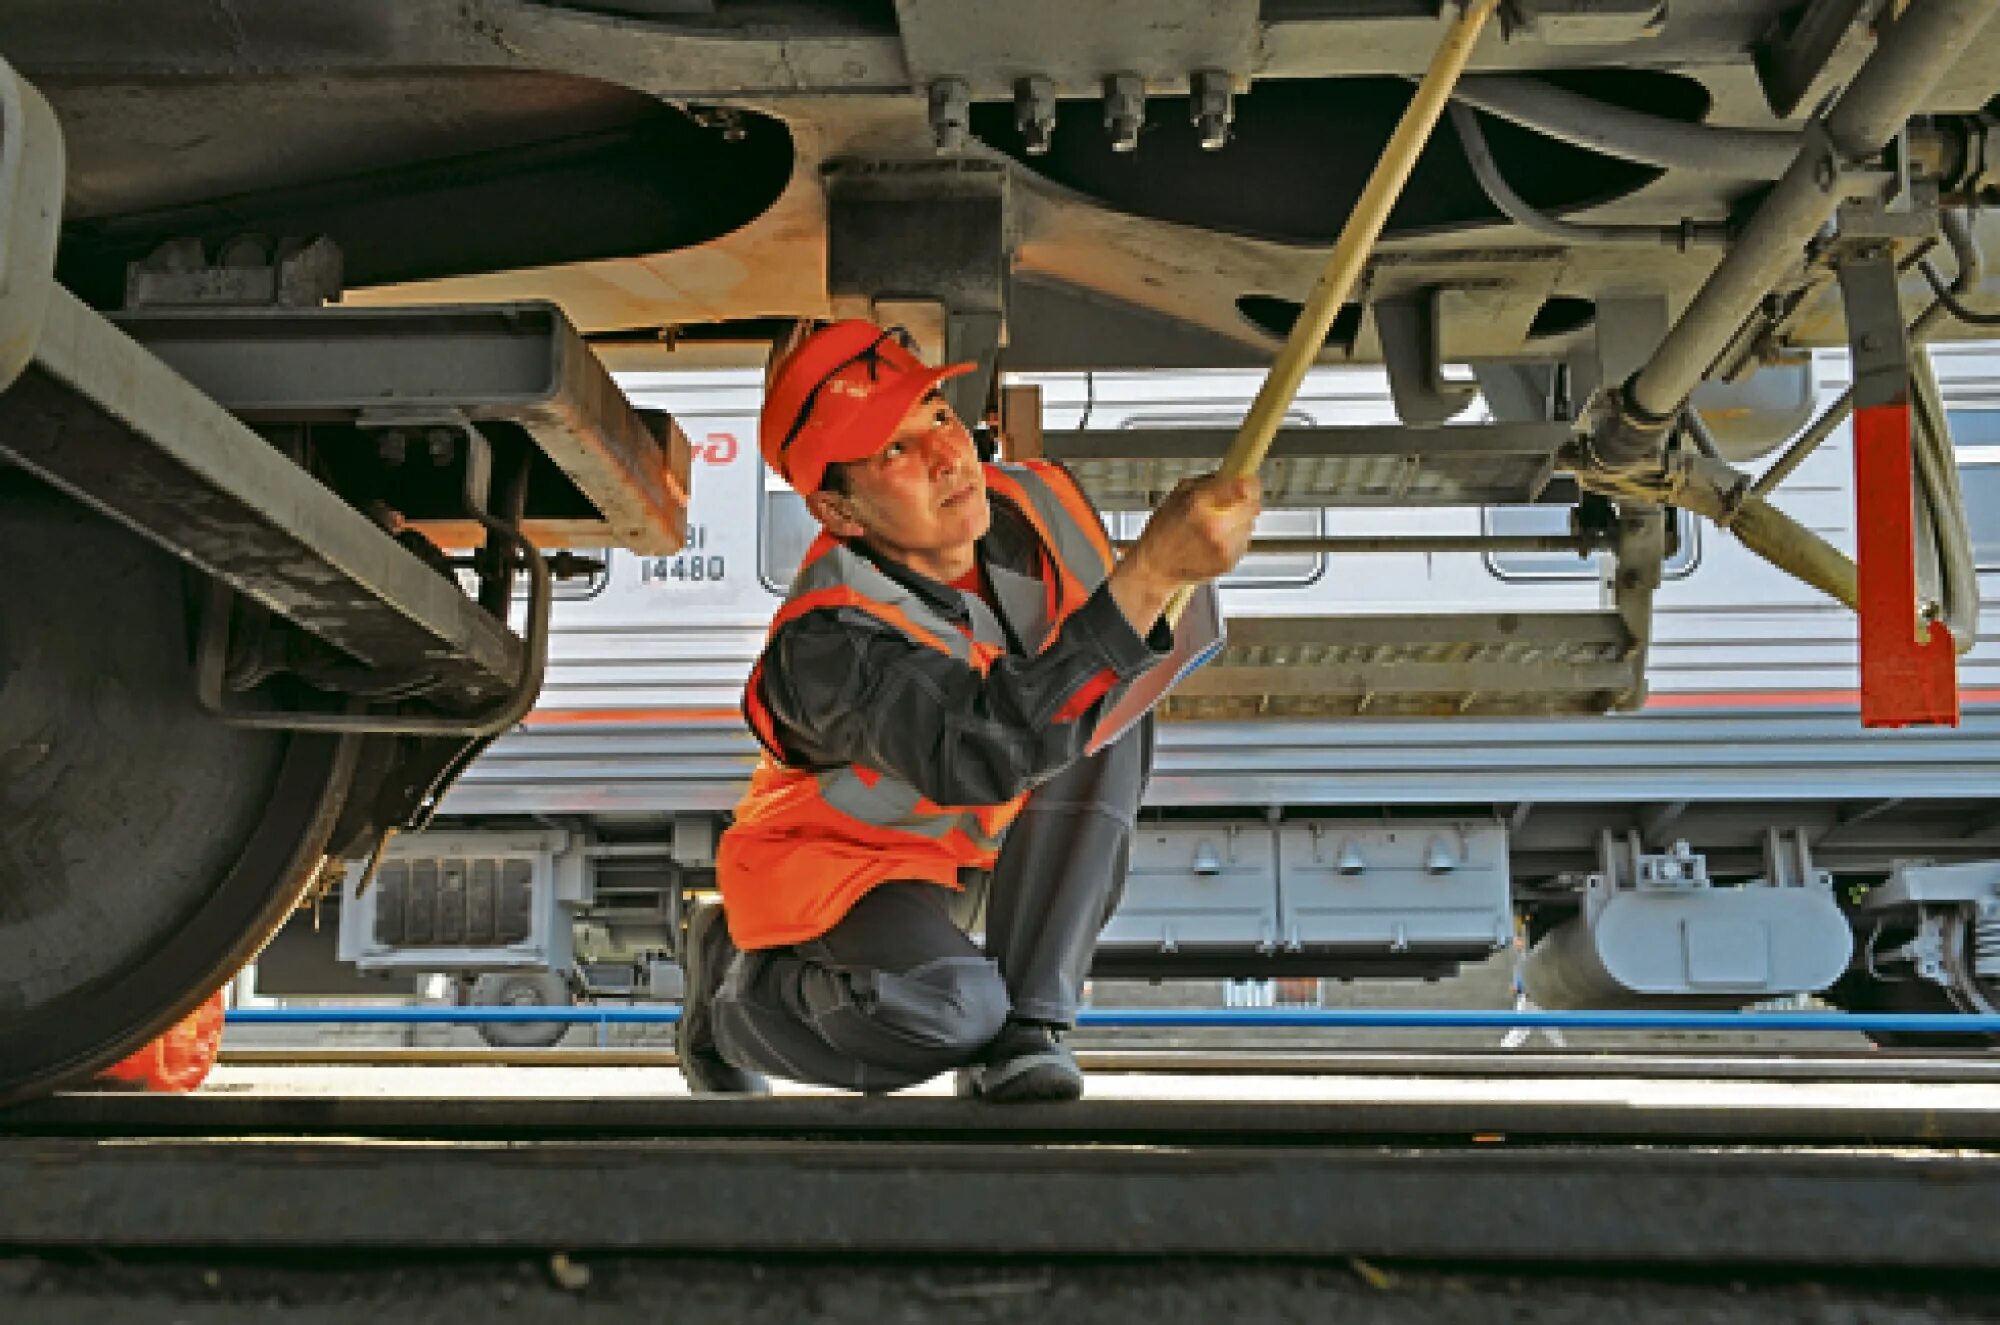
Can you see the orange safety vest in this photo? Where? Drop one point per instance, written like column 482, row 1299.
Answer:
column 807, row 844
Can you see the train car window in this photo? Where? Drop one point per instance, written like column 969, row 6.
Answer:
column 1264, row 570
column 1976, row 434
column 1568, row 565
column 788, row 529
column 1260, row 570
column 583, row 587
column 785, row 530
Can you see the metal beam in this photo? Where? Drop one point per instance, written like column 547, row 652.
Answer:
column 1407, row 678
column 1911, row 56
column 1849, row 820
column 1472, row 465
column 519, row 363
column 1792, row 61
column 1440, row 444
column 100, row 418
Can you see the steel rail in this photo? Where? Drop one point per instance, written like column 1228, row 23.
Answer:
column 1224, row 1018
column 1200, row 1061
column 1798, row 1117
column 1063, row 1182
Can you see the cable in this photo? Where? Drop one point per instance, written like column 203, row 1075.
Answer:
column 1972, row 317
column 1940, row 496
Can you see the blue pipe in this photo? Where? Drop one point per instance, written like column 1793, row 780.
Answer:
column 1228, row 1018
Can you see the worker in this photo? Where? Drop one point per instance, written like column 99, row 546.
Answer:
column 925, row 700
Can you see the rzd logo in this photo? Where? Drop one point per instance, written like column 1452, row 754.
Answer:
column 719, row 448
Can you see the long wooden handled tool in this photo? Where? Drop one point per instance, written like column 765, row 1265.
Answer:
column 1350, row 252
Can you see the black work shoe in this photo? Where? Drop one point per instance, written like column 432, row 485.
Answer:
column 1026, row 1061
column 706, row 962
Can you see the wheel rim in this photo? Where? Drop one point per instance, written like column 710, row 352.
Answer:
column 149, row 851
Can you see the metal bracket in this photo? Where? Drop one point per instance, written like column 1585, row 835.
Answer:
column 1791, row 62
column 1412, row 333
column 1624, row 865
column 929, row 238
column 1581, row 22
column 297, row 273
column 213, row 647
column 1640, row 553
column 1909, row 669
column 1788, row 860
column 1909, row 216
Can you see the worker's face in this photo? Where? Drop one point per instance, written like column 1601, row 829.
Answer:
column 921, row 499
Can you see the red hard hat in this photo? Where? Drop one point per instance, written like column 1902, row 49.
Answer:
column 840, row 396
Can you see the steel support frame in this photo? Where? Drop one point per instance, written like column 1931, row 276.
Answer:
column 1493, row 464
column 926, row 242
column 1546, row 654
column 514, row 363
column 1411, row 330
column 1909, row 668
column 102, row 419
column 1791, row 63
column 1913, row 53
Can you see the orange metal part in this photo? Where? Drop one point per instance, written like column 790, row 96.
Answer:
column 1909, row 671
column 177, row 1061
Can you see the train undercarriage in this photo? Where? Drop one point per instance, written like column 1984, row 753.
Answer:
column 305, row 318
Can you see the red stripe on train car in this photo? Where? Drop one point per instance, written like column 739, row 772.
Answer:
column 1786, row 699
column 1668, row 702
column 631, row 717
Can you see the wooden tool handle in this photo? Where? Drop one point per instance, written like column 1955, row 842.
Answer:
column 1350, row 252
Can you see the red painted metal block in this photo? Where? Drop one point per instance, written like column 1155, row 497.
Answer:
column 1909, row 670
column 179, row 1060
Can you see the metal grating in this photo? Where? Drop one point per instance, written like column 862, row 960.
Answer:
column 1492, row 465
column 454, row 902
column 1408, row 666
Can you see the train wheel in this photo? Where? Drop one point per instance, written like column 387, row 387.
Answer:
column 146, row 849
column 1962, row 949
column 522, row 989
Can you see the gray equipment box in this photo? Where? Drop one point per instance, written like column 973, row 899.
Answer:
column 474, row 901
column 1397, row 891
column 1194, row 892
column 1249, row 897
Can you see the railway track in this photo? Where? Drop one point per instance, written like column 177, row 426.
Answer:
column 1818, row 1066
column 346, row 1206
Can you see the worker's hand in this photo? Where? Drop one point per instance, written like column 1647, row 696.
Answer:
column 1199, row 532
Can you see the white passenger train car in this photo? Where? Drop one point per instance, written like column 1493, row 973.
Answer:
column 1718, row 843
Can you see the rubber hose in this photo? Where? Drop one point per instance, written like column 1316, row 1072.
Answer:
column 1630, row 135
column 1517, row 209
column 1940, row 496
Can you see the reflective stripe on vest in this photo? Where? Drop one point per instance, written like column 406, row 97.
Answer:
column 893, row 804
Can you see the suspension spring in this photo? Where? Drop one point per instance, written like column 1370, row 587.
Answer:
column 1986, row 946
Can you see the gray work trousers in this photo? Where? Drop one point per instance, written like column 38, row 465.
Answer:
column 896, row 992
